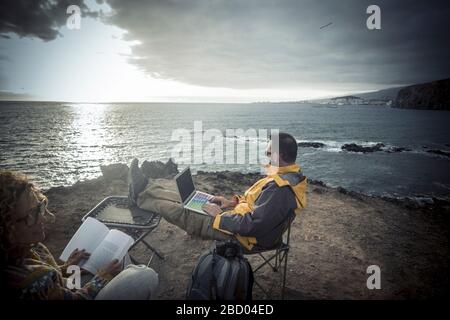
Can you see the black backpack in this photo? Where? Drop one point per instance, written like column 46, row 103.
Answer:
column 221, row 274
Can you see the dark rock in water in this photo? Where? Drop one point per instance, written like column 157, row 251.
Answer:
column 57, row 190
column 441, row 202
column 311, row 144
column 351, row 193
column 317, row 182
column 341, row 190
column 433, row 95
column 153, row 169
column 158, row 169
column 116, row 171
column 172, row 167
column 353, row 147
column 397, row 149
column 440, row 152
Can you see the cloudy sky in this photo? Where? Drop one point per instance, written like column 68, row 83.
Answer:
column 217, row 50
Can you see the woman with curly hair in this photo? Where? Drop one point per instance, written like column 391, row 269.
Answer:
column 29, row 270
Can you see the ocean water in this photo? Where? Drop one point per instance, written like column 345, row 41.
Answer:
column 61, row 143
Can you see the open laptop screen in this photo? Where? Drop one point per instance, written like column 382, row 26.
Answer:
column 185, row 184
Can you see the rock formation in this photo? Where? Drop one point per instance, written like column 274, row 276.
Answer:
column 432, row 95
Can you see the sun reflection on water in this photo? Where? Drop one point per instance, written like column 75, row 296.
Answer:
column 89, row 134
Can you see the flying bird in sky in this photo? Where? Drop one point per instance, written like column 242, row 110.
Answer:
column 329, row 24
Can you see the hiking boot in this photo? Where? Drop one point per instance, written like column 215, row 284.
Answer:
column 136, row 182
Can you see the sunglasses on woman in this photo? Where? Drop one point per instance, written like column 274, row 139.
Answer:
column 32, row 218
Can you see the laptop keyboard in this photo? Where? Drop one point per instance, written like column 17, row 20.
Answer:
column 198, row 201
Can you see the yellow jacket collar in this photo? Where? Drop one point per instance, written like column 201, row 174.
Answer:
column 273, row 170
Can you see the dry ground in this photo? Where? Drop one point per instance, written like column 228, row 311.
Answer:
column 333, row 242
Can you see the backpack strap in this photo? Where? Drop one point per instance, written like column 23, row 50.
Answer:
column 213, row 287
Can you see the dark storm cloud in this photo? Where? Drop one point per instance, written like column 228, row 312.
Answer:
column 36, row 18
column 265, row 43
column 261, row 43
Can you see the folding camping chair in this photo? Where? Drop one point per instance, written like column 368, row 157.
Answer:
column 115, row 212
column 280, row 254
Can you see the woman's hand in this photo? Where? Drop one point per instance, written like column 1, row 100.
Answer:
column 112, row 268
column 77, row 256
column 223, row 202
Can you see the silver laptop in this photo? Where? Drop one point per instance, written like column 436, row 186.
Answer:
column 192, row 200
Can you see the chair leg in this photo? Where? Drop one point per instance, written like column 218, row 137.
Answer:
column 281, row 259
column 281, row 256
column 133, row 260
column 262, row 289
column 266, row 261
column 275, row 269
column 159, row 255
column 150, row 260
column 283, row 286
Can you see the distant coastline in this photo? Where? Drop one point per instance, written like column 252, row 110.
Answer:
column 433, row 95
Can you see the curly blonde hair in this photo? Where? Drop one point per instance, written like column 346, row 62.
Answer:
column 12, row 186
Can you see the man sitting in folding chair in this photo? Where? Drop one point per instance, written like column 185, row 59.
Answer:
column 257, row 219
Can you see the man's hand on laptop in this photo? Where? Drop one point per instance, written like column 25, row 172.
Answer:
column 223, row 202
column 212, row 209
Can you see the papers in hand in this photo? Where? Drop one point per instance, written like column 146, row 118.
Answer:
column 103, row 244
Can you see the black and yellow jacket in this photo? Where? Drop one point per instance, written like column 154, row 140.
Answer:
column 266, row 209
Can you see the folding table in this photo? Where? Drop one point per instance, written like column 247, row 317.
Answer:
column 115, row 212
